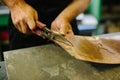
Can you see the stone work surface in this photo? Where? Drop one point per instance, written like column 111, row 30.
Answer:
column 3, row 75
column 51, row 62
column 0, row 54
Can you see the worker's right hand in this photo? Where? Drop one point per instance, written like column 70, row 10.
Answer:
column 24, row 17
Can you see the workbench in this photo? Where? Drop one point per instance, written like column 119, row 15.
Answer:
column 3, row 74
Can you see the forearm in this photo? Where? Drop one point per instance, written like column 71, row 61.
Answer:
column 13, row 3
column 73, row 9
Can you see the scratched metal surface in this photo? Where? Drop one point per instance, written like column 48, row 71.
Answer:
column 50, row 62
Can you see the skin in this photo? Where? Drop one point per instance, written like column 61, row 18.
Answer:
column 27, row 23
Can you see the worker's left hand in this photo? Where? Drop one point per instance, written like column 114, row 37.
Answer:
column 61, row 26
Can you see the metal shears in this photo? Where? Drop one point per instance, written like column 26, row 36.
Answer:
column 46, row 33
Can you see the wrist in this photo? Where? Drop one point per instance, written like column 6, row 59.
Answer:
column 66, row 18
column 63, row 18
column 13, row 3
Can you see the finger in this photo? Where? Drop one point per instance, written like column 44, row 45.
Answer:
column 36, row 16
column 71, row 31
column 63, row 30
column 18, row 27
column 31, row 23
column 25, row 29
column 55, row 29
column 40, row 24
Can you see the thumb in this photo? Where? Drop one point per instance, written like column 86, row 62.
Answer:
column 63, row 30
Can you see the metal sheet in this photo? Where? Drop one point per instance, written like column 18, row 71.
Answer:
column 51, row 62
column 99, row 49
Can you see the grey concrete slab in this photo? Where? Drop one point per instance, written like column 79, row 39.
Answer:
column 3, row 74
column 0, row 54
column 51, row 62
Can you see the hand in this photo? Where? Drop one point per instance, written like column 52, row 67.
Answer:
column 24, row 17
column 40, row 26
column 61, row 26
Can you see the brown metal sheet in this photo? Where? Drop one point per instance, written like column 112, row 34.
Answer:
column 99, row 49
column 51, row 62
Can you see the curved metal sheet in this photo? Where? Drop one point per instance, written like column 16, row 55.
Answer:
column 99, row 49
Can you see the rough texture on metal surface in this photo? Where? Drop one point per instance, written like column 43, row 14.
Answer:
column 3, row 75
column 99, row 49
column 51, row 62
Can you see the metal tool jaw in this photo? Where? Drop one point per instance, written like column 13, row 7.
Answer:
column 48, row 34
